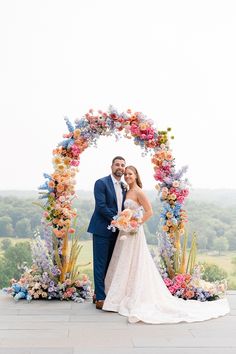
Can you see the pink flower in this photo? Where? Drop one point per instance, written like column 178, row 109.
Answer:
column 150, row 136
column 71, row 231
column 185, row 192
column 75, row 163
column 179, row 278
column 180, row 199
column 167, row 281
column 176, row 287
column 172, row 289
column 133, row 223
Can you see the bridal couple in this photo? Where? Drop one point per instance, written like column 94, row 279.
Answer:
column 126, row 278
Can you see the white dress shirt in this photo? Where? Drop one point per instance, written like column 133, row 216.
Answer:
column 118, row 190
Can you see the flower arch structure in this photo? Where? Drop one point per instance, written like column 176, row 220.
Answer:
column 59, row 188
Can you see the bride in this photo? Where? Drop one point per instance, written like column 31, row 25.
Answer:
column 134, row 286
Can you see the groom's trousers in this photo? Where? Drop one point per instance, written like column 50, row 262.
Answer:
column 102, row 251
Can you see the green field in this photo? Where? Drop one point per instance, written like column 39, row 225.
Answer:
column 224, row 261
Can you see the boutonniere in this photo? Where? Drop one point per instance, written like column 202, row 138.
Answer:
column 124, row 186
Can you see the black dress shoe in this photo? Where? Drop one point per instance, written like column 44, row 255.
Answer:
column 94, row 299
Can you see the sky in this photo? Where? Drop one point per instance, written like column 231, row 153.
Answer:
column 172, row 60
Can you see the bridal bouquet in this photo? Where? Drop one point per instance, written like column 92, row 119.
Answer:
column 128, row 221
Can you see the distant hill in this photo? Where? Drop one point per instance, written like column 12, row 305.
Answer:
column 221, row 197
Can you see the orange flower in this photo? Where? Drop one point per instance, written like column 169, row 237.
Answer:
column 60, row 188
column 67, row 161
column 57, row 151
column 51, row 184
column 58, row 233
column 76, row 133
column 57, row 160
column 168, row 156
column 60, row 222
column 189, row 294
column 61, row 167
column 187, row 277
column 55, row 176
column 169, row 223
column 55, row 221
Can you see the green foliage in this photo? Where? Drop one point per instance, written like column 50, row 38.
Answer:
column 13, row 260
column 5, row 244
column 23, row 227
column 221, row 244
column 234, row 263
column 6, row 227
column 212, row 272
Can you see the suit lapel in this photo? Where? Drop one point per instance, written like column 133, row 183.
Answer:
column 124, row 195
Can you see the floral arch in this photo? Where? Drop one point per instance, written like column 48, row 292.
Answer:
column 55, row 269
column 60, row 185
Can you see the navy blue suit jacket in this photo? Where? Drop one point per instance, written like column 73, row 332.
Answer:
column 105, row 206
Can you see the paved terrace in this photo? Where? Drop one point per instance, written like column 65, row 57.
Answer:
column 44, row 327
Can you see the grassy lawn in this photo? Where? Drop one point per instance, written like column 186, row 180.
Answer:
column 224, row 261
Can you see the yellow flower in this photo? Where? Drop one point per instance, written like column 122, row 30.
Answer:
column 67, row 161
column 61, row 167
column 76, row 133
column 57, row 160
column 142, row 126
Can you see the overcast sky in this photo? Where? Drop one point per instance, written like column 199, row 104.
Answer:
column 173, row 60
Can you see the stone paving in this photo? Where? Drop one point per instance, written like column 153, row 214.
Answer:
column 44, row 327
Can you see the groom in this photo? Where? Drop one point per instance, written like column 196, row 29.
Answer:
column 109, row 193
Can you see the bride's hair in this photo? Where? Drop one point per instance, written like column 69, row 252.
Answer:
column 138, row 179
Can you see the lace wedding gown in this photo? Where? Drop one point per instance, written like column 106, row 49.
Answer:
column 134, row 287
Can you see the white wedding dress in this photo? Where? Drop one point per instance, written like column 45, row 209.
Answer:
column 135, row 288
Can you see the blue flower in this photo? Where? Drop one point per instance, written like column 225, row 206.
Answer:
column 45, row 175
column 69, row 125
column 70, row 143
column 43, row 186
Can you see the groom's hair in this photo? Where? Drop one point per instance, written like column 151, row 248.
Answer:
column 118, row 158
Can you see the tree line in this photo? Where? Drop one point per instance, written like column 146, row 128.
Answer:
column 215, row 225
